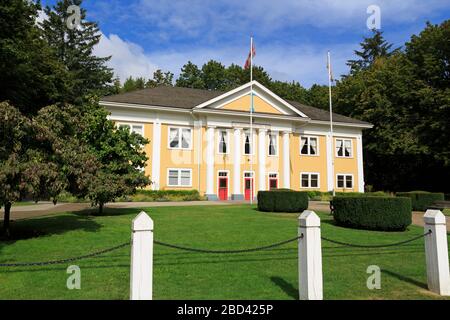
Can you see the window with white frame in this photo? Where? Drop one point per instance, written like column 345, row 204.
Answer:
column 136, row 128
column 180, row 138
column 179, row 178
column 273, row 144
column 309, row 146
column 247, row 143
column 309, row 180
column 223, row 141
column 273, row 181
column 344, row 148
column 345, row 181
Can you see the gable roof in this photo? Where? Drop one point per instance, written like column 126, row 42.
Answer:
column 188, row 98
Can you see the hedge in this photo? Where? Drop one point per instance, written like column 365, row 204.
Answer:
column 372, row 213
column 421, row 200
column 282, row 200
column 163, row 195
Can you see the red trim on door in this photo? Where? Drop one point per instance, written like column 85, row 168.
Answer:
column 223, row 188
column 248, row 188
column 271, row 180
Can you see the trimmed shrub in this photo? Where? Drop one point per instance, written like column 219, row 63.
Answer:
column 421, row 200
column 282, row 200
column 372, row 213
column 163, row 195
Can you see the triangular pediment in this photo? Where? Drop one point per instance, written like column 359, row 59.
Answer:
column 264, row 101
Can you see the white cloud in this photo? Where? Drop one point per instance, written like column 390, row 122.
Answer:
column 128, row 59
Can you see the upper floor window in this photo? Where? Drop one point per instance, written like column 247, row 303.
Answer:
column 273, row 147
column 308, row 146
column 136, row 128
column 345, row 181
column 247, row 143
column 223, row 141
column 180, row 138
column 344, row 148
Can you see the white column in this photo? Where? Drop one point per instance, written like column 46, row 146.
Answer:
column 359, row 155
column 262, row 159
column 310, row 257
column 436, row 252
column 237, row 195
column 155, row 161
column 210, row 164
column 286, row 161
column 141, row 267
column 330, row 171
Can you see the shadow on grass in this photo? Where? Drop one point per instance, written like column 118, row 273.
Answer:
column 39, row 227
column 405, row 278
column 107, row 212
column 288, row 288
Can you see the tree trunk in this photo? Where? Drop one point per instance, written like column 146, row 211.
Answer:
column 100, row 208
column 6, row 219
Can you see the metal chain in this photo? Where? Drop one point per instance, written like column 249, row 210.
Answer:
column 51, row 262
column 277, row 244
column 377, row 245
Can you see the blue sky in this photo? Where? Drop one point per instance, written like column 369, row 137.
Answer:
column 291, row 36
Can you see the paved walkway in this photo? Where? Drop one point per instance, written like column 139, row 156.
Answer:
column 47, row 208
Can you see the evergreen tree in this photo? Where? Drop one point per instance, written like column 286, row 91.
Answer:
column 160, row 79
column 74, row 48
column 372, row 48
column 214, row 75
column 190, row 77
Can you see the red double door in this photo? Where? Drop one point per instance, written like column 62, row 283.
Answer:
column 223, row 188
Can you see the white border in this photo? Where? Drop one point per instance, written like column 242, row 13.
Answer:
column 277, row 148
column 228, row 183
column 309, row 137
column 351, row 146
column 268, row 179
column 180, row 129
column 309, row 179
column 227, row 140
column 243, row 181
column 345, row 181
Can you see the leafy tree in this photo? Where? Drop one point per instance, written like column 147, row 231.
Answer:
column 74, row 48
column 120, row 153
column 372, row 48
column 214, row 75
column 30, row 74
column 318, row 96
column 132, row 84
column 290, row 91
column 190, row 77
column 160, row 79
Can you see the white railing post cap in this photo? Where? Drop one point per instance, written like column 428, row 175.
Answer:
column 309, row 218
column 434, row 217
column 142, row 222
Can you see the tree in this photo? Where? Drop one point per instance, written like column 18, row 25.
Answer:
column 372, row 48
column 318, row 96
column 40, row 157
column 74, row 48
column 120, row 153
column 289, row 91
column 31, row 76
column 132, row 84
column 214, row 75
column 160, row 79
column 190, row 77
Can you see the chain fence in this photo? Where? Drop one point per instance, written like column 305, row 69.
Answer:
column 199, row 250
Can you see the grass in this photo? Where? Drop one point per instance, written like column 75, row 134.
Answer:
column 270, row 274
column 24, row 203
column 446, row 212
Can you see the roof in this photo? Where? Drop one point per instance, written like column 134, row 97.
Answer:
column 188, row 98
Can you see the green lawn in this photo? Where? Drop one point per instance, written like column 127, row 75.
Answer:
column 270, row 274
column 446, row 212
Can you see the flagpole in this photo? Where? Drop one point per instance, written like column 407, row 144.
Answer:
column 251, row 121
column 331, row 122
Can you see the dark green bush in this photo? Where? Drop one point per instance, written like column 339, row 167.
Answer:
column 282, row 200
column 372, row 213
column 163, row 195
column 421, row 200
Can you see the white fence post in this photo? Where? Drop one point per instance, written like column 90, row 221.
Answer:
column 310, row 257
column 141, row 273
column 436, row 250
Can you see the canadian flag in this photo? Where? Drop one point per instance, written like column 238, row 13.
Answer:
column 251, row 54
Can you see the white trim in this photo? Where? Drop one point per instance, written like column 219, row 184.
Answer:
column 253, row 182
column 143, row 106
column 237, row 161
column 155, row 160
column 180, row 132
column 345, row 181
column 262, row 134
column 309, row 180
column 179, row 177
column 252, row 84
column 329, row 155
column 343, row 144
column 277, row 142
column 309, row 138
column 228, row 182
column 359, row 159
column 268, row 179
column 344, row 124
column 227, row 142
column 131, row 125
column 252, row 142
column 210, row 160
column 271, row 116
column 286, row 161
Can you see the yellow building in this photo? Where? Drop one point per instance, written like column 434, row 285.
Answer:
column 203, row 140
